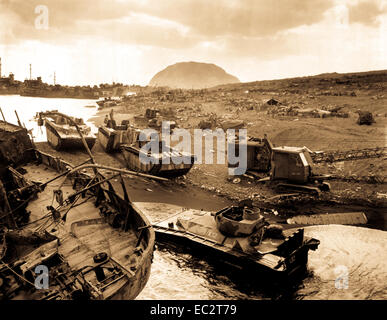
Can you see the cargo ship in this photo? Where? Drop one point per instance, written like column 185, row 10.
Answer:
column 37, row 88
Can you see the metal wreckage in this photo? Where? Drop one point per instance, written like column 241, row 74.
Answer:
column 125, row 138
column 59, row 217
column 95, row 243
column 240, row 237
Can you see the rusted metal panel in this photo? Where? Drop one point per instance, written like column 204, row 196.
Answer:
column 351, row 218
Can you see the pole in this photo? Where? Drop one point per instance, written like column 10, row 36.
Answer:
column 42, row 186
column 7, row 207
column 2, row 115
column 18, row 120
column 118, row 170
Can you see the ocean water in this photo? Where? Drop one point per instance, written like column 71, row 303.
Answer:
column 350, row 262
column 27, row 107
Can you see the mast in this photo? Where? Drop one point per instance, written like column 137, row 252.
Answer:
column 30, row 72
column 54, row 78
column 0, row 67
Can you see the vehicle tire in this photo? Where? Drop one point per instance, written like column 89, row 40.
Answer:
column 100, row 257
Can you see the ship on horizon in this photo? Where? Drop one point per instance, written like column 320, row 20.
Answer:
column 37, row 88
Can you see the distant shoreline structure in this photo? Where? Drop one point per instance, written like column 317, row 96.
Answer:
column 38, row 88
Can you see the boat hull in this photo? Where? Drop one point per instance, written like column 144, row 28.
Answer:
column 43, row 93
column 60, row 141
column 296, row 263
column 274, row 256
column 132, row 289
column 88, row 230
column 110, row 140
column 132, row 157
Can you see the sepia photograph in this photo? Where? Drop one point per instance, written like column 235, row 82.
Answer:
column 170, row 151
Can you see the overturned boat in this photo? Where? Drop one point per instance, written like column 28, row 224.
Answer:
column 237, row 236
column 167, row 161
column 66, row 233
column 63, row 134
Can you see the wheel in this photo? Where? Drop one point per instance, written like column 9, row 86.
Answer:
column 325, row 186
column 100, row 257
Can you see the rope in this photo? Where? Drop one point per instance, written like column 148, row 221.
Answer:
column 31, row 222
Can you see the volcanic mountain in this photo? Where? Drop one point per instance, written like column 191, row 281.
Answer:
column 192, row 75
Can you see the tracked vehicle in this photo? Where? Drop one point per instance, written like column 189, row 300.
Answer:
column 111, row 136
column 292, row 169
column 289, row 168
column 62, row 133
column 238, row 236
column 166, row 161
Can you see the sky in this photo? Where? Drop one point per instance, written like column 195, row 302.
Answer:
column 129, row 41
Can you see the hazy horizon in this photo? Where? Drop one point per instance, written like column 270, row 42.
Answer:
column 92, row 42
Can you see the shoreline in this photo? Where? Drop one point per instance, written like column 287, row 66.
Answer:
column 211, row 188
column 215, row 178
column 315, row 133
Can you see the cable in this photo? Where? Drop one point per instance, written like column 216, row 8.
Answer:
column 19, row 275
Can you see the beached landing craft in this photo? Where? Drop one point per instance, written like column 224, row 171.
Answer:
column 168, row 161
column 237, row 236
column 62, row 133
column 93, row 242
column 111, row 136
column 107, row 103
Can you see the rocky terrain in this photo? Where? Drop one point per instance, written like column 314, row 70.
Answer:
column 192, row 75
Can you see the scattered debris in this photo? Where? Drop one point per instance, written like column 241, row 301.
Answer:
column 365, row 117
column 272, row 102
